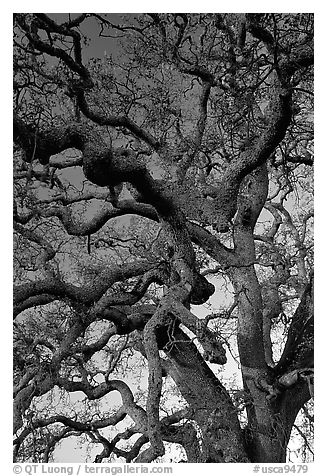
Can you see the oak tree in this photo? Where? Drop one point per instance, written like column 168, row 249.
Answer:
column 163, row 227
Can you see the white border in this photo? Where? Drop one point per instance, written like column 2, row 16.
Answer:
column 320, row 185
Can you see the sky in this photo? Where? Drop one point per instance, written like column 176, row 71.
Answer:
column 98, row 46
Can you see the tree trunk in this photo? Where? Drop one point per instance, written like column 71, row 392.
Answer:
column 212, row 409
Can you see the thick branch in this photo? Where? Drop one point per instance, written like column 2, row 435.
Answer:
column 85, row 294
column 298, row 350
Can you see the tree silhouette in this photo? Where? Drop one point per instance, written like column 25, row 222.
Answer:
column 162, row 207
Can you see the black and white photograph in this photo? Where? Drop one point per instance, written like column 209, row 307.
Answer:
column 163, row 239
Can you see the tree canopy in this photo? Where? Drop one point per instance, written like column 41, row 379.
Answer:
column 163, row 231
